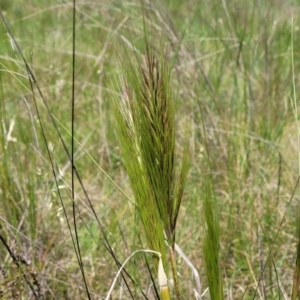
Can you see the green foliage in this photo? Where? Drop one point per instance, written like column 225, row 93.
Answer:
column 222, row 70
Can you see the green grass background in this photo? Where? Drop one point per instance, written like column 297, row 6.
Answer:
column 232, row 76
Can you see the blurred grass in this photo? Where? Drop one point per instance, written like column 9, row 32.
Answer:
column 232, row 65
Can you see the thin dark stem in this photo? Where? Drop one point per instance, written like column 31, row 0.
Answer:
column 16, row 261
column 72, row 149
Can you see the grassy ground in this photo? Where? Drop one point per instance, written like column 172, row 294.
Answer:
column 234, row 95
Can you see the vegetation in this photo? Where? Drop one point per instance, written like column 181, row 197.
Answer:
column 177, row 133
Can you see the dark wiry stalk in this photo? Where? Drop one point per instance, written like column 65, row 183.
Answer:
column 72, row 151
column 16, row 261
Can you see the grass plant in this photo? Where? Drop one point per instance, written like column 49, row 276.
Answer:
column 177, row 134
column 146, row 130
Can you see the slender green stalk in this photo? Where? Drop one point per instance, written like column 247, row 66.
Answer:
column 296, row 279
column 211, row 243
column 174, row 271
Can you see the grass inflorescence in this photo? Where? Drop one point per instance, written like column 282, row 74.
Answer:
column 146, row 130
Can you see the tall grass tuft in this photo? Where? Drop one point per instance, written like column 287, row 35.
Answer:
column 146, row 130
column 211, row 242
